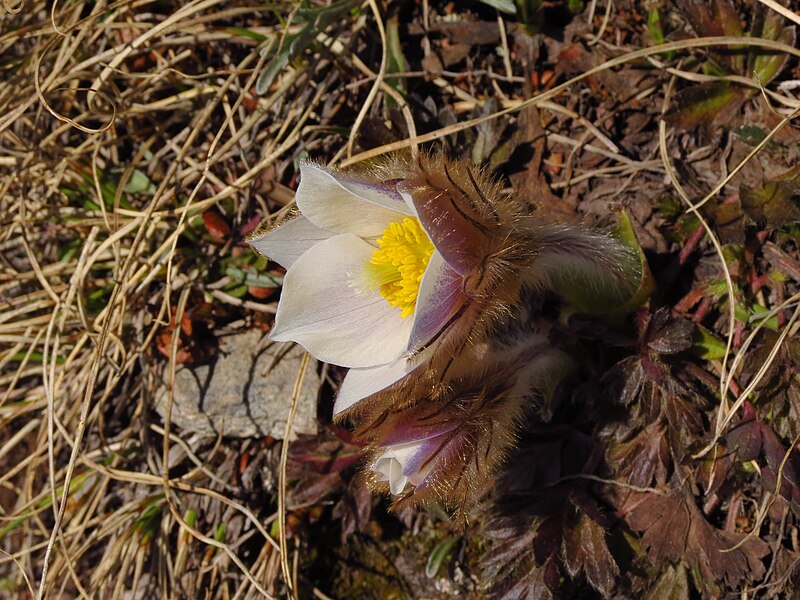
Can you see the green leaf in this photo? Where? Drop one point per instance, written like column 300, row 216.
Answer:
column 252, row 277
column 97, row 300
column 270, row 72
column 753, row 135
column 529, row 13
column 769, row 25
column 34, row 357
column 654, row 27
column 656, row 31
column 108, row 189
column 77, row 483
column 757, row 314
column 774, row 205
column 139, row 183
column 719, row 287
column 237, row 291
column 590, row 288
column 627, row 236
column 506, row 6
column 149, row 521
column 219, row 534
column 672, row 585
column 706, row 345
column 438, row 556
column 190, row 517
column 70, row 250
column 314, row 21
column 702, row 103
column 396, row 61
column 575, row 6
column 248, row 33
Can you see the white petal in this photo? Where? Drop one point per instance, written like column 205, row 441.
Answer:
column 343, row 205
column 406, row 452
column 360, row 383
column 409, row 203
column 337, row 323
column 286, row 243
column 439, row 295
column 398, row 480
column 389, row 469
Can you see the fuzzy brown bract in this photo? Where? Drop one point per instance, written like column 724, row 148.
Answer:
column 462, row 430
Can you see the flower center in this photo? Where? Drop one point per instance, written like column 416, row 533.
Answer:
column 398, row 264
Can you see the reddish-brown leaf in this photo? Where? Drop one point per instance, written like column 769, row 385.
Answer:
column 773, row 205
column 509, row 569
column 670, row 336
column 674, row 529
column 745, row 440
column 643, row 458
column 197, row 344
column 312, row 490
column 715, row 18
column 324, row 453
column 354, row 507
column 585, row 550
column 728, row 220
column 753, row 439
column 548, row 539
column 703, row 104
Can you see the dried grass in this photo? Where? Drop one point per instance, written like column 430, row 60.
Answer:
column 88, row 282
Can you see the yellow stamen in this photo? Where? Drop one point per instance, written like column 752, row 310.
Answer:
column 397, row 266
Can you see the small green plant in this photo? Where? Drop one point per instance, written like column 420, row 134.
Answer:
column 718, row 101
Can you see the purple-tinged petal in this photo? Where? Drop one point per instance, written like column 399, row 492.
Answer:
column 457, row 236
column 409, row 430
column 417, row 464
column 337, row 323
column 412, row 461
column 286, row 243
column 440, row 295
column 394, row 466
column 345, row 205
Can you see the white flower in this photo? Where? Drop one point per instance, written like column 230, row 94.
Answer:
column 365, row 286
column 389, row 467
column 407, row 266
column 410, row 462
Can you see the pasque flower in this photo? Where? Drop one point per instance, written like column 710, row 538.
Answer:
column 402, row 267
column 447, row 445
column 365, row 287
column 425, row 280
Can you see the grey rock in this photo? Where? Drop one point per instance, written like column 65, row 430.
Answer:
column 246, row 391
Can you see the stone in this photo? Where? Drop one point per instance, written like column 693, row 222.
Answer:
column 246, row 391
